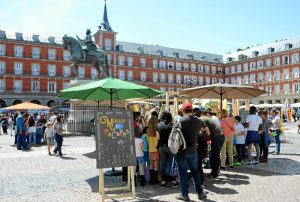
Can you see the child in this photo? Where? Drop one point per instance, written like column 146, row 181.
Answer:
column 146, row 149
column 139, row 152
column 240, row 138
column 265, row 139
column 49, row 136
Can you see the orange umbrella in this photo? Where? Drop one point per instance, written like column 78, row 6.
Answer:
column 27, row 106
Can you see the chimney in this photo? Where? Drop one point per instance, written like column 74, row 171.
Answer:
column 255, row 53
column 2, row 34
column 141, row 50
column 191, row 56
column 119, row 47
column 35, row 38
column 51, row 39
column 176, row 54
column 242, row 57
column 161, row 53
column 271, row 50
column 229, row 59
column 19, row 36
column 288, row 46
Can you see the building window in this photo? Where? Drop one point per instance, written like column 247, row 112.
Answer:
column 277, row 75
column 51, row 54
column 171, row 78
column 52, row 70
column 121, row 60
column 277, row 89
column 207, row 69
column 239, row 68
column 122, row 75
column 252, row 78
column 286, row 88
column 245, row 67
column 213, row 69
column 200, row 80
column 286, row 74
column 154, row 64
column 109, row 58
column 67, row 55
column 193, row 67
column 36, row 52
column 155, row 77
column 252, row 65
column 227, row 80
column 162, row 64
column 18, row 68
column 51, row 87
column 2, row 50
column 232, row 80
column 163, row 89
column 35, row 69
column 232, row 69
column 238, row 80
column 66, row 85
column 67, row 71
column 107, row 44
column 81, row 72
column 35, row 86
column 2, row 85
column 18, row 86
column 296, row 88
column 221, row 80
column 269, row 76
column 296, row 72
column 186, row 67
column 94, row 73
column 171, row 90
column 246, row 79
column 130, row 75
column 260, row 77
column 260, row 64
column 18, row 51
column 213, row 80
column 295, row 58
column 2, row 67
column 200, row 68
column 207, row 80
column 178, row 79
column 268, row 62
column 227, row 70
column 285, row 60
column 170, row 65
column 277, row 61
column 269, row 89
column 178, row 66
column 143, row 62
column 129, row 61
column 162, row 78
column 143, row 76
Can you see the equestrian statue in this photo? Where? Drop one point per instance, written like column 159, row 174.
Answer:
column 87, row 52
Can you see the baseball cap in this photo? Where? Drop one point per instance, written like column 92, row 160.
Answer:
column 187, row 105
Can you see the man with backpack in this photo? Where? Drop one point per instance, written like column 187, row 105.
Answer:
column 188, row 158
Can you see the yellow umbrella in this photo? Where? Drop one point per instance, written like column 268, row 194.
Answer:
column 27, row 106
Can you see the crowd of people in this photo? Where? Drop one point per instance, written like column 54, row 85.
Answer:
column 208, row 138
column 35, row 129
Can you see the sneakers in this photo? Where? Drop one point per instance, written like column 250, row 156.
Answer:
column 183, row 198
column 202, row 196
column 163, row 186
column 255, row 162
column 175, row 184
column 276, row 153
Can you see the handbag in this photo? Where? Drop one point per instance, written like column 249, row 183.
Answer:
column 268, row 139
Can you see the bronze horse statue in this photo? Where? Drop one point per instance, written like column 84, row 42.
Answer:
column 96, row 58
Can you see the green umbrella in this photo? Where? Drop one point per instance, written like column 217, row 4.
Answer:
column 108, row 89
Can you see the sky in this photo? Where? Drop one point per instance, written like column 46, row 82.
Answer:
column 213, row 26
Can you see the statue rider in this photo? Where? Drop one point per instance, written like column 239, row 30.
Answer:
column 88, row 42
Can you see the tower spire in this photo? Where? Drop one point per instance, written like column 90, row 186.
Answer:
column 105, row 24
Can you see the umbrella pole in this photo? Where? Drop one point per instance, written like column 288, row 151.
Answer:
column 221, row 104
column 111, row 99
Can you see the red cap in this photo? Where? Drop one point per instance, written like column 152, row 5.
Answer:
column 187, row 105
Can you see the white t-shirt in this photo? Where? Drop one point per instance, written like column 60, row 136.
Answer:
column 254, row 122
column 49, row 132
column 276, row 122
column 138, row 148
column 216, row 120
column 53, row 119
column 32, row 129
column 240, row 139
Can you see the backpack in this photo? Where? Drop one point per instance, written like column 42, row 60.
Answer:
column 176, row 141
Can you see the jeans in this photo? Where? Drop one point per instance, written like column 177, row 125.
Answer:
column 249, row 151
column 215, row 161
column 165, row 158
column 58, row 139
column 227, row 146
column 22, row 141
column 32, row 136
column 277, row 139
column 241, row 151
column 264, row 149
column 189, row 159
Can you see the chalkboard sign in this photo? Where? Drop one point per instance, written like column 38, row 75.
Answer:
column 243, row 114
column 115, row 145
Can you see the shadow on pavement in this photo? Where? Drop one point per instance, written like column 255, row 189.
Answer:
column 67, row 158
column 91, row 155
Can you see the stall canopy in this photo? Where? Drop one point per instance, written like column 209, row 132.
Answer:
column 27, row 106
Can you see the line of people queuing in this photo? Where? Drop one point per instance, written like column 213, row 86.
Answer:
column 226, row 136
column 35, row 129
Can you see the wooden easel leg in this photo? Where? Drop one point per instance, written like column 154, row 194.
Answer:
column 101, row 185
column 132, row 180
column 128, row 178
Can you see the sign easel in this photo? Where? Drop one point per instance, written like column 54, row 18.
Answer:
column 130, row 186
column 115, row 147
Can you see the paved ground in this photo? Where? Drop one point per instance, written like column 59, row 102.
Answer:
column 35, row 176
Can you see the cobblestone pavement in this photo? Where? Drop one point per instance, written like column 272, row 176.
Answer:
column 35, row 176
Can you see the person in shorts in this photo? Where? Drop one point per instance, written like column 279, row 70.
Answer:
column 49, row 135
